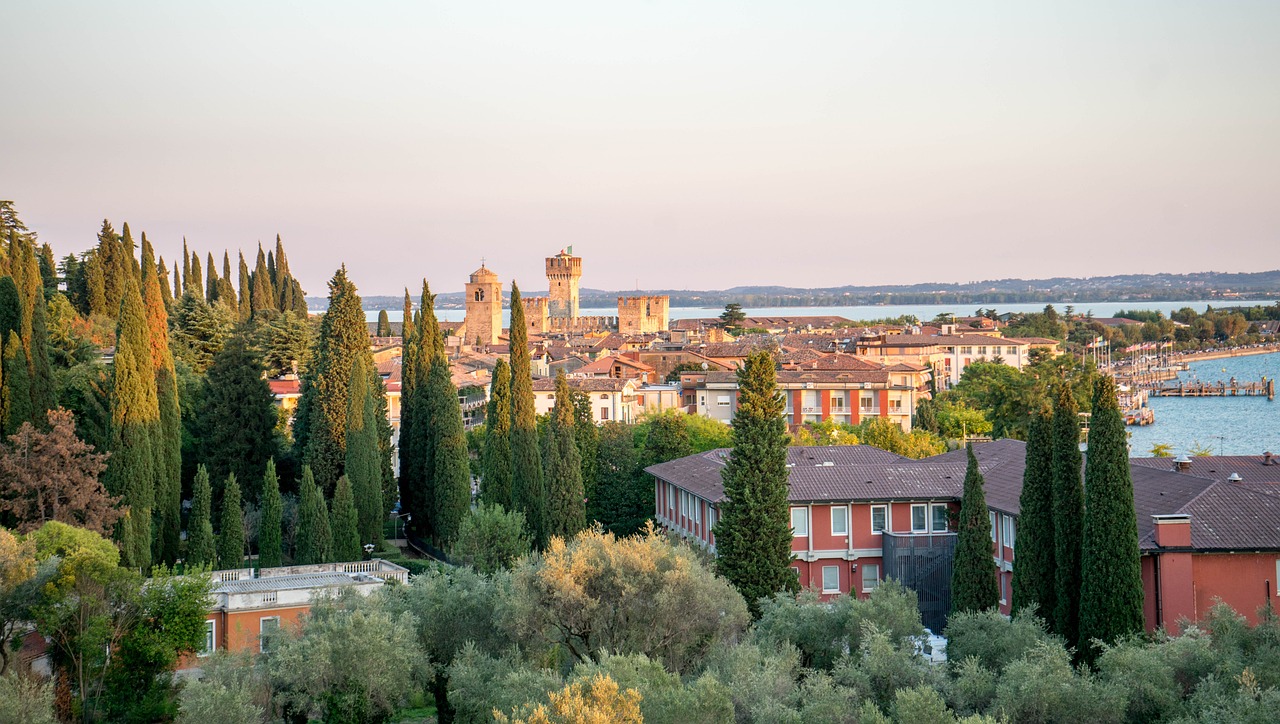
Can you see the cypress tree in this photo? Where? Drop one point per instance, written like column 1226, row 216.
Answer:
column 128, row 263
column 384, row 324
column 527, row 492
column 1068, row 510
column 974, row 587
column 410, row 469
column 495, row 481
column 186, row 269
column 362, row 466
column 43, row 387
column 344, row 335
column 195, row 280
column 1111, row 594
column 210, row 279
column 108, row 257
column 269, row 547
column 421, row 442
column 167, row 443
column 345, row 524
column 226, row 267
column 17, row 384
column 587, row 436
column 566, row 509
column 753, row 534
column 162, row 272
column 245, row 307
column 384, row 433
column 202, row 549
column 1035, row 581
column 177, row 284
column 262, row 298
column 406, row 322
column 286, row 282
column 231, row 531
column 10, row 307
column 271, row 275
column 95, row 285
column 314, row 539
column 135, row 415
column 451, row 472
column 235, row 427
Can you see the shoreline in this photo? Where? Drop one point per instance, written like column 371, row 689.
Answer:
column 1226, row 353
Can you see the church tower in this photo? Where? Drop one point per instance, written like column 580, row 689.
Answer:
column 484, row 308
column 564, row 270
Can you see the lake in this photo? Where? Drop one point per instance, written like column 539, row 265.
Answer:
column 1227, row 425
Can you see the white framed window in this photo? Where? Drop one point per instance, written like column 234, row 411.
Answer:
column 722, row 400
column 210, row 638
column 982, row 351
column 839, row 520
column 941, row 517
column 837, row 402
column 879, row 519
column 800, row 522
column 796, row 569
column 870, row 576
column 1010, row 531
column 267, row 627
column 831, row 579
column 919, row 518
column 697, row 511
column 1004, row 588
column 992, row 515
column 895, row 405
column 867, row 402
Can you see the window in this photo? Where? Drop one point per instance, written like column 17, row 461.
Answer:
column 800, row 522
column 210, row 643
column 267, row 627
column 982, row 351
column 604, row 413
column 604, row 397
column 919, row 521
column 992, row 515
column 867, row 403
column 839, row 520
column 966, row 350
column 797, row 571
column 941, row 517
column 895, row 405
column 1004, row 588
column 722, row 400
column 1010, row 531
column 879, row 519
column 837, row 402
column 1011, row 351
column 831, row 579
column 870, row 576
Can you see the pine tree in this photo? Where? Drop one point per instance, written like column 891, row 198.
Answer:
column 269, row 547
column 167, row 444
column 314, row 539
column 566, row 513
column 753, row 534
column 345, row 524
column 235, row 427
column 451, row 472
column 231, row 530
column 974, row 587
column 495, row 482
column 1068, row 511
column 202, row 549
column 135, row 416
column 384, row 324
column 362, row 465
column 1035, row 583
column 344, row 335
column 1111, row 594
column 527, row 492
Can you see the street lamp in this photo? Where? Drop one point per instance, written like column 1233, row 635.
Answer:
column 403, row 518
column 368, row 550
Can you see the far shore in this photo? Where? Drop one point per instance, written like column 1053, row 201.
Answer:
column 1224, row 353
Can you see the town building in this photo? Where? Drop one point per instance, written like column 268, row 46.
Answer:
column 1209, row 527
column 483, row 324
column 612, row 399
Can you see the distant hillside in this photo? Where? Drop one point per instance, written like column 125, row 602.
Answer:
column 1119, row 288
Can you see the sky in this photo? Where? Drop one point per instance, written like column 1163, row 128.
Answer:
column 687, row 145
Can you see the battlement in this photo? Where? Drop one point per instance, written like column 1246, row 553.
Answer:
column 563, row 264
column 643, row 314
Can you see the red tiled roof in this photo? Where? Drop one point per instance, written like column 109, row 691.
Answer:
column 281, row 388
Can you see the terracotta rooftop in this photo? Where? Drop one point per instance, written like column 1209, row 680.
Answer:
column 586, row 384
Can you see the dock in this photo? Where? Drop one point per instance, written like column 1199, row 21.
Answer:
column 1265, row 388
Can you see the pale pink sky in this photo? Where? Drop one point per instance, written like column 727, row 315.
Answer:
column 680, row 144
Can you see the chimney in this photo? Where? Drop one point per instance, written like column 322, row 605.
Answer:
column 1172, row 531
column 1268, row 459
column 1182, row 464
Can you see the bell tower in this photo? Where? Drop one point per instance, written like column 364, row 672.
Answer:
column 564, row 270
column 484, row 308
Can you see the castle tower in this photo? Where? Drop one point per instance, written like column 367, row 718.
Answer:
column 484, row 308
column 563, row 272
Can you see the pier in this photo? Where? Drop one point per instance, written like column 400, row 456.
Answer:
column 1265, row 388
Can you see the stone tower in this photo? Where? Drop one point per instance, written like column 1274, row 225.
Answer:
column 484, row 308
column 563, row 272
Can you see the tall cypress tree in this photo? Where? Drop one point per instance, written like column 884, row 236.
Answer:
column 17, row 384
column 210, row 279
column 231, row 528
column 167, row 444
column 166, row 293
column 418, row 439
column 384, row 324
column 269, row 546
column 495, row 481
column 1068, row 512
column 410, row 462
column 1035, row 583
column 1111, row 594
column 566, row 511
column 245, row 306
column 109, row 264
column 451, row 472
column 973, row 576
column 406, row 322
column 195, row 280
column 344, row 335
column 362, row 465
column 262, row 298
column 186, row 269
column 135, row 417
column 235, row 427
column 753, row 534
column 314, row 539
column 527, row 492
column 345, row 523
column 202, row 548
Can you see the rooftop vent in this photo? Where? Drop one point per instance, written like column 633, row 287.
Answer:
column 1182, row 464
column 1268, row 459
column 1234, row 478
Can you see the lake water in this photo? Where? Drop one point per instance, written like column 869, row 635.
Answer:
column 868, row 312
column 1227, row 425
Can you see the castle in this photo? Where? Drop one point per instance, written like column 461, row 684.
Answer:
column 556, row 313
